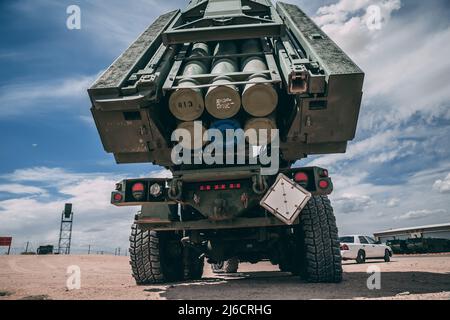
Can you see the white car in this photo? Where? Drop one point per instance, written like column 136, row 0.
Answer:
column 360, row 248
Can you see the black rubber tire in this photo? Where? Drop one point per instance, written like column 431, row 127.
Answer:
column 217, row 267
column 155, row 257
column 227, row 266
column 193, row 265
column 231, row 265
column 361, row 257
column 387, row 256
column 284, row 267
column 317, row 254
column 286, row 255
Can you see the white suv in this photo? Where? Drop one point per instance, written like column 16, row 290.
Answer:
column 360, row 248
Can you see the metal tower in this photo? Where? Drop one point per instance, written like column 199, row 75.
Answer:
column 65, row 232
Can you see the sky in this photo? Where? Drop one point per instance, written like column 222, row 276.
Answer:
column 396, row 173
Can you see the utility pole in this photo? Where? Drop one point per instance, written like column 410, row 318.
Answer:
column 119, row 251
column 89, row 250
column 26, row 248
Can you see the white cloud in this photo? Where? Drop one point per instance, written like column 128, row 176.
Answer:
column 62, row 177
column 161, row 174
column 19, row 98
column 113, row 26
column 106, row 27
column 378, row 148
column 442, row 186
column 363, row 206
column 108, row 24
column 393, row 202
column 46, row 175
column 21, row 189
column 352, row 203
column 398, row 83
column 88, row 120
column 346, row 21
column 31, row 218
column 418, row 214
column 68, row 87
column 37, row 219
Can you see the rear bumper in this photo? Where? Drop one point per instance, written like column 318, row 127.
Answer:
column 348, row 255
column 205, row 224
column 186, row 184
column 210, row 194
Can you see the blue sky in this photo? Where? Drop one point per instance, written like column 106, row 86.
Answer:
column 396, row 173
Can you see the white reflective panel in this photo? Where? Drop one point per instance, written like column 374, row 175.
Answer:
column 285, row 199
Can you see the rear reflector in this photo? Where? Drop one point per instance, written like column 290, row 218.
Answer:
column 324, row 184
column 117, row 197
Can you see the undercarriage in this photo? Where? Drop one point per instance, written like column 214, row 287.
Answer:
column 309, row 248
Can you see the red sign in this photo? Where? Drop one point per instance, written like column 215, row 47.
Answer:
column 5, row 241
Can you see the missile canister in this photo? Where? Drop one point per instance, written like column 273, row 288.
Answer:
column 266, row 124
column 223, row 100
column 223, row 126
column 132, row 112
column 187, row 104
column 260, row 99
column 196, row 130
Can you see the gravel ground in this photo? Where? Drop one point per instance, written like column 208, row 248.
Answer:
column 108, row 277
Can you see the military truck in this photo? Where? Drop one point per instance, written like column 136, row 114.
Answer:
column 216, row 66
column 45, row 250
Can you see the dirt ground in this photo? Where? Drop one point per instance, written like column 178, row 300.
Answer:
column 108, row 277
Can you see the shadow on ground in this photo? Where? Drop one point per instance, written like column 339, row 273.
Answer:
column 278, row 285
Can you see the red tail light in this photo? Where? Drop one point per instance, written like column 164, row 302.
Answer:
column 138, row 190
column 344, row 247
column 301, row 178
column 324, row 184
column 137, row 187
column 117, row 197
column 221, row 186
